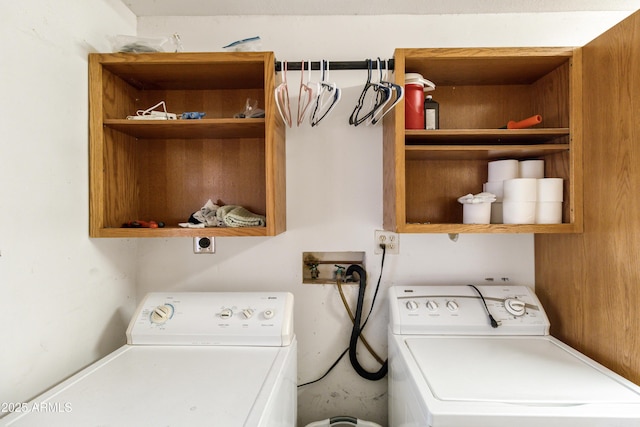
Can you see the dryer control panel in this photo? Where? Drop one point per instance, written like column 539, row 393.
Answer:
column 461, row 310
column 213, row 318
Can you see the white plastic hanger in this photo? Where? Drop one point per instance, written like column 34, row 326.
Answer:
column 282, row 97
column 305, row 94
column 328, row 96
column 397, row 89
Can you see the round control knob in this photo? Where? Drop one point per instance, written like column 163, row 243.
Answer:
column 268, row 314
column 162, row 313
column 412, row 305
column 452, row 306
column 432, row 305
column 515, row 307
column 226, row 313
column 247, row 313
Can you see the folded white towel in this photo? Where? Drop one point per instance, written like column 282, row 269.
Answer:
column 237, row 216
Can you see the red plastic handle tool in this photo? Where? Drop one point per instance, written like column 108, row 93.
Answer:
column 526, row 123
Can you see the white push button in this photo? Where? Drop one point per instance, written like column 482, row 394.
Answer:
column 226, row 313
column 247, row 313
column 268, row 314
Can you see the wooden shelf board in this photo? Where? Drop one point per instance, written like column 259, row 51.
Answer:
column 188, row 70
column 487, row 228
column 485, row 66
column 480, row 152
column 189, row 129
column 181, row 232
column 485, row 136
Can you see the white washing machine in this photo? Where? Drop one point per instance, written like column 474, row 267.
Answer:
column 448, row 367
column 191, row 359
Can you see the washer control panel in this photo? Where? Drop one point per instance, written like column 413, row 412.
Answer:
column 213, row 318
column 461, row 310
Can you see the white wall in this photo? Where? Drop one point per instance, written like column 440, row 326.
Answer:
column 334, row 189
column 65, row 299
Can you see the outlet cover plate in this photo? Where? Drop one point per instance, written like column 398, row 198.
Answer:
column 390, row 239
column 204, row 245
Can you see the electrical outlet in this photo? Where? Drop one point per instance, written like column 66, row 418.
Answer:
column 388, row 238
column 204, row 245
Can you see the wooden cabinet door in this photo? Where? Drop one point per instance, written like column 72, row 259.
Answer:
column 590, row 282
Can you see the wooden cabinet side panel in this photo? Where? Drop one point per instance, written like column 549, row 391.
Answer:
column 121, row 180
column 393, row 176
column 119, row 99
column 390, row 204
column 551, row 99
column 590, row 282
column 96, row 149
column 275, row 154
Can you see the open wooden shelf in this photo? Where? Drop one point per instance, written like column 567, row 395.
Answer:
column 479, row 90
column 189, row 129
column 175, row 231
column 167, row 170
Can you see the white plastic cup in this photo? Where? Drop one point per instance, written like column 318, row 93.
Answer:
column 476, row 213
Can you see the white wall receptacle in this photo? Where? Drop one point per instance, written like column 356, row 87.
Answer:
column 204, row 245
column 390, row 239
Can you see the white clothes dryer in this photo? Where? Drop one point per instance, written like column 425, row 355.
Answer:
column 448, row 367
column 191, row 359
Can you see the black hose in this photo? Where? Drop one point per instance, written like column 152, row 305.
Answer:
column 357, row 330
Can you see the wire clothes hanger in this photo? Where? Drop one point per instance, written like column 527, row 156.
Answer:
column 397, row 89
column 377, row 94
column 328, row 96
column 376, row 100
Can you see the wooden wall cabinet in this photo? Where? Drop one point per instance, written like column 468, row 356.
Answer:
column 479, row 90
column 166, row 170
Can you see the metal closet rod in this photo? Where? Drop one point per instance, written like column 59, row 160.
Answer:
column 336, row 65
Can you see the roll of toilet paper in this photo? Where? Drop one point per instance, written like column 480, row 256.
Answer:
column 548, row 212
column 500, row 170
column 518, row 212
column 520, row 189
column 495, row 187
column 550, row 190
column 531, row 169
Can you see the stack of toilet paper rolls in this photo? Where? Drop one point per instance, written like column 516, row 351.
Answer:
column 523, row 194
